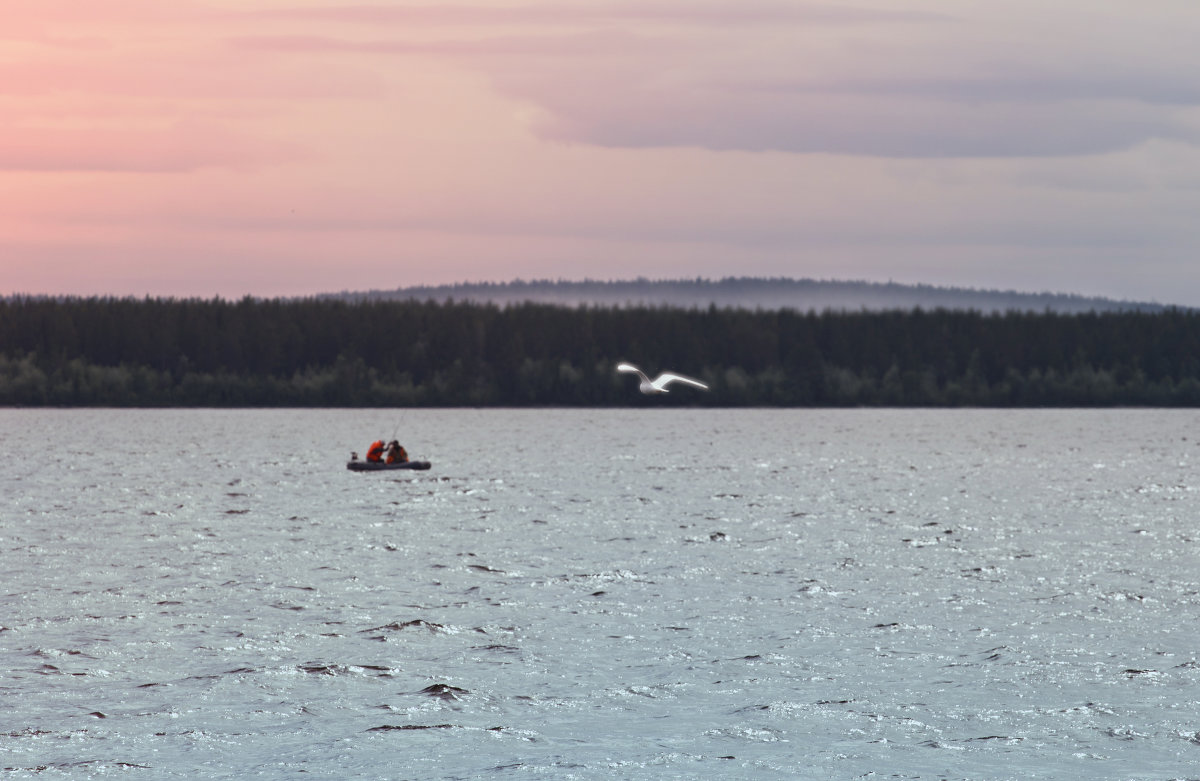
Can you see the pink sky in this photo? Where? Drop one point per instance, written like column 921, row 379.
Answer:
column 280, row 147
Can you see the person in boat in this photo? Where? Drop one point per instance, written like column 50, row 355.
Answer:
column 396, row 454
column 375, row 451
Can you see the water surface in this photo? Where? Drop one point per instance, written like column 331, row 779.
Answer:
column 592, row 594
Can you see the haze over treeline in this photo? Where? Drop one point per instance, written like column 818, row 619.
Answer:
column 803, row 295
column 252, row 352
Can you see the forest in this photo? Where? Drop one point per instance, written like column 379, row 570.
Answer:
column 330, row 353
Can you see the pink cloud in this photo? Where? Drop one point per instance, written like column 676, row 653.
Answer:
column 186, row 75
column 598, row 43
column 86, row 24
column 185, row 146
column 693, row 12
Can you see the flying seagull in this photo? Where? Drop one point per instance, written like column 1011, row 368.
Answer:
column 660, row 383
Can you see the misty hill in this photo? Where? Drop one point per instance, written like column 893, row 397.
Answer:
column 803, row 295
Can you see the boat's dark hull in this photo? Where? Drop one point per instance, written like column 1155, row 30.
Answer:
column 379, row 466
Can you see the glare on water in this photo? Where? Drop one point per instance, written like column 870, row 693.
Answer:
column 634, row 593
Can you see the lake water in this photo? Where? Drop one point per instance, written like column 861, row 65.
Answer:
column 570, row 594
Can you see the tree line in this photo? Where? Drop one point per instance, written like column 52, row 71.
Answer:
column 329, row 353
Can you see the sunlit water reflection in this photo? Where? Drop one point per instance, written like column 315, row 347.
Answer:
column 597, row 594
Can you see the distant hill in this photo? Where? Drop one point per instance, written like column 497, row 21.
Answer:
column 753, row 293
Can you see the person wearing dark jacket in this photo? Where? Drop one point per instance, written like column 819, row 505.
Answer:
column 396, row 454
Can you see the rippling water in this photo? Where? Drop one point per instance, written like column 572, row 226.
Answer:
column 595, row 594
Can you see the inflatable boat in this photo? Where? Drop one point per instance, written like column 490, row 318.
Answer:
column 378, row 466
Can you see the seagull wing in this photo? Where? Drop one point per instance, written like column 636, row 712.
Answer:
column 662, row 380
column 630, row 368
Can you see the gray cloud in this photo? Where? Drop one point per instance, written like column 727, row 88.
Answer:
column 854, row 125
column 934, row 92
column 1015, row 84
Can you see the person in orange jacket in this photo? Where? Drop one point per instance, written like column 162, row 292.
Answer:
column 375, row 451
column 396, row 453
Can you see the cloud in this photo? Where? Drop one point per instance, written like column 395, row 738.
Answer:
column 185, row 146
column 830, row 123
column 85, row 24
column 688, row 12
column 801, row 78
column 679, row 96
column 184, row 76
column 598, row 44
